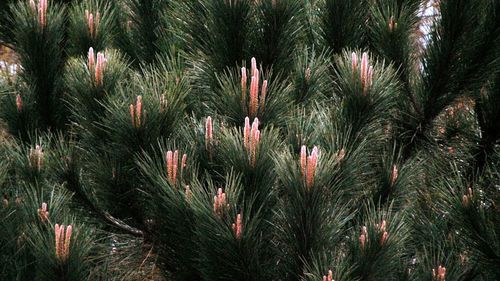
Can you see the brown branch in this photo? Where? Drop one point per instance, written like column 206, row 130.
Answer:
column 120, row 224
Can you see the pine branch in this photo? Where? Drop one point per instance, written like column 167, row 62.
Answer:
column 313, row 212
column 446, row 62
column 91, row 24
column 143, row 24
column 42, row 64
column 342, row 24
column 280, row 25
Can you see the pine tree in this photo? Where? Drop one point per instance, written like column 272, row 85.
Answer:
column 250, row 140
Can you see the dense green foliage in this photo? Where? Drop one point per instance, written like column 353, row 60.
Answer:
column 250, row 140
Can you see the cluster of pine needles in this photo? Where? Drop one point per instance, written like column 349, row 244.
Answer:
column 250, row 140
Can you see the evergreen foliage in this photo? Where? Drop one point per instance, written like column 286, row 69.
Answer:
column 250, row 140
